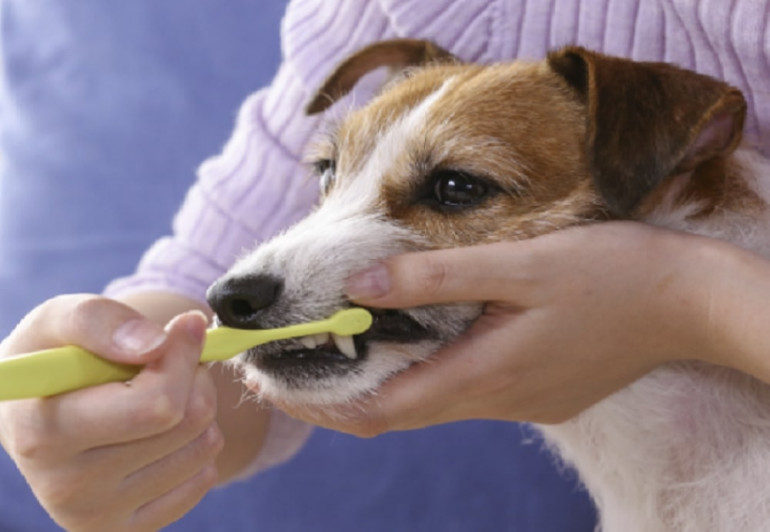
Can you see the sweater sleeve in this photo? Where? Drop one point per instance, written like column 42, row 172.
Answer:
column 257, row 186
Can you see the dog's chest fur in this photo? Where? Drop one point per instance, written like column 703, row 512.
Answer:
column 684, row 448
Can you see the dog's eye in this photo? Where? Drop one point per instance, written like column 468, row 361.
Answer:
column 326, row 169
column 457, row 189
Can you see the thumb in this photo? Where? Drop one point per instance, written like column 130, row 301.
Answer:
column 100, row 325
column 477, row 273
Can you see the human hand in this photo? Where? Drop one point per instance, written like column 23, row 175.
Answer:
column 570, row 317
column 121, row 456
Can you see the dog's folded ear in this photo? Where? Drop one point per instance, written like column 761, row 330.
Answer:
column 397, row 54
column 647, row 122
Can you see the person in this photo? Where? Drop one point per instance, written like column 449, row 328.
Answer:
column 146, row 452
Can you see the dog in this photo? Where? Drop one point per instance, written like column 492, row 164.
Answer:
column 453, row 154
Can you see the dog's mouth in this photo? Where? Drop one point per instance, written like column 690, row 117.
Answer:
column 330, row 353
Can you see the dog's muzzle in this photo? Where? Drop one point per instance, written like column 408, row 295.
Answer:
column 254, row 302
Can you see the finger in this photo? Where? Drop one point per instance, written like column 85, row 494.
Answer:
column 163, row 475
column 98, row 324
column 479, row 273
column 151, row 403
column 523, row 382
column 176, row 503
column 426, row 393
column 200, row 414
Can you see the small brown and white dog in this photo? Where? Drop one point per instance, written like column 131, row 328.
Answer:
column 453, row 154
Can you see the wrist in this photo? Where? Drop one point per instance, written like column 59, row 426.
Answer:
column 731, row 288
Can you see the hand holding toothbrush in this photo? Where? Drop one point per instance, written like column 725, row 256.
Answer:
column 118, row 456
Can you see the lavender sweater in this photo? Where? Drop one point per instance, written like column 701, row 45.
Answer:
column 258, row 185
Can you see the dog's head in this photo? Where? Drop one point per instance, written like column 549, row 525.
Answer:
column 453, row 154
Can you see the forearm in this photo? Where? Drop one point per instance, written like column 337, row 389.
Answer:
column 243, row 424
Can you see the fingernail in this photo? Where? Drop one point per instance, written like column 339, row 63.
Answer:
column 138, row 336
column 196, row 328
column 371, row 283
column 193, row 322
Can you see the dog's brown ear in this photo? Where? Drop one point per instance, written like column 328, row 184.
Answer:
column 396, row 54
column 647, row 121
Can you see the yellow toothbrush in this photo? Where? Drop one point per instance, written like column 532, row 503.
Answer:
column 68, row 368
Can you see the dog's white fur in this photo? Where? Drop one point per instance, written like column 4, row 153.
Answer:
column 316, row 256
column 685, row 448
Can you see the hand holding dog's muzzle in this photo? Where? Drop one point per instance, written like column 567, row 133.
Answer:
column 569, row 318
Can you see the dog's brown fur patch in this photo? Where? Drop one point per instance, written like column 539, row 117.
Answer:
column 508, row 140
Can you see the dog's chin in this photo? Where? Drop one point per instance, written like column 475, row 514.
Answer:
column 334, row 383
column 290, row 372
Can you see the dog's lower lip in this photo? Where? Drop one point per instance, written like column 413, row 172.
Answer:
column 303, row 356
column 303, row 360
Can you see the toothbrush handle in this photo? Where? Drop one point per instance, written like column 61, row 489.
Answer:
column 58, row 370
column 68, row 368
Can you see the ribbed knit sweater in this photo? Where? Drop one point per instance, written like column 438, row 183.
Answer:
column 258, row 184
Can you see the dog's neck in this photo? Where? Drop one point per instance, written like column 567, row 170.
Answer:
column 726, row 198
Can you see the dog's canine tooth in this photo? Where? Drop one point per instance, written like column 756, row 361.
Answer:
column 308, row 341
column 345, row 345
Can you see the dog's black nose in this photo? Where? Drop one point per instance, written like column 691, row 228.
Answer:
column 238, row 301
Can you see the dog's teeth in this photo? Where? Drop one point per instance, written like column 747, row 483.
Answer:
column 308, row 341
column 345, row 345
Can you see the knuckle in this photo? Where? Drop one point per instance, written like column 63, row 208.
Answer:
column 39, row 317
column 206, row 446
column 208, row 478
column 167, row 413
column 82, row 315
column 25, row 436
column 162, row 414
column 166, row 409
column 433, row 277
column 202, row 405
column 52, row 319
column 56, row 303
column 27, row 445
column 212, row 441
